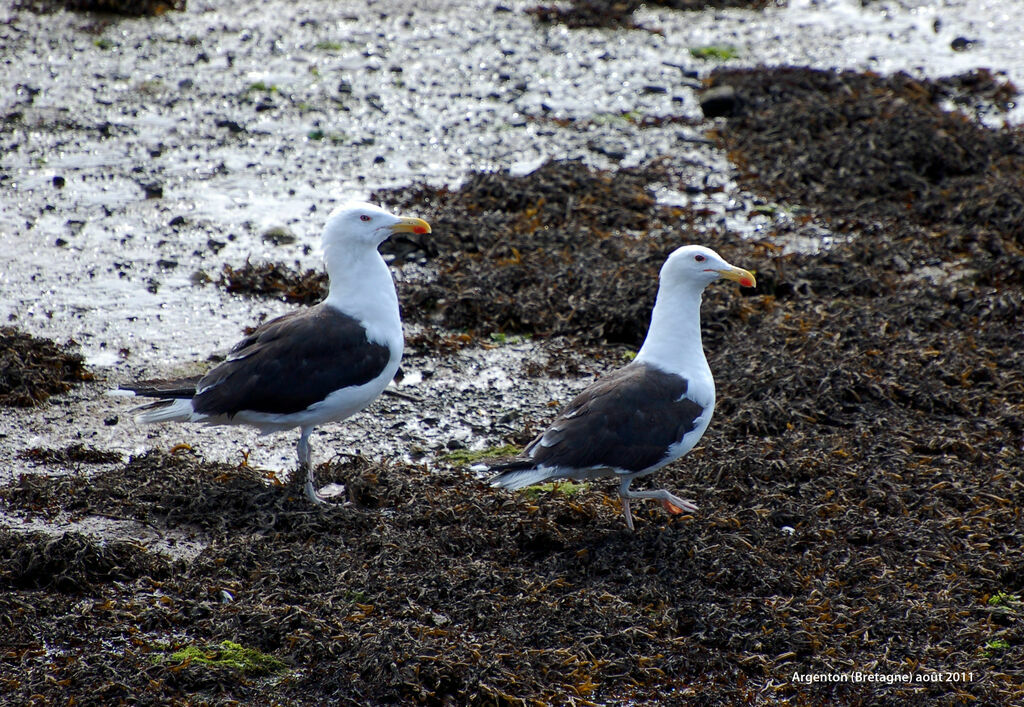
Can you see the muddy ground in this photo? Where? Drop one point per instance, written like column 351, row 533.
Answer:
column 860, row 487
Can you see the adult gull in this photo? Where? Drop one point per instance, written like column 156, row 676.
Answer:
column 647, row 414
column 315, row 365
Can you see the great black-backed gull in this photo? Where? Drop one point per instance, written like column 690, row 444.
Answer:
column 647, row 414
column 312, row 366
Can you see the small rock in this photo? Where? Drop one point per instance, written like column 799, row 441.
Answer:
column 153, row 190
column 962, row 44
column 720, row 101
column 231, row 125
column 58, row 181
column 176, row 221
column 30, row 92
column 612, row 150
column 439, row 619
column 111, row 421
column 279, row 235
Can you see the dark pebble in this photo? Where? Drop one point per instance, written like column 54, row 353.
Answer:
column 279, row 235
column 962, row 44
column 719, row 101
column 231, row 125
column 153, row 190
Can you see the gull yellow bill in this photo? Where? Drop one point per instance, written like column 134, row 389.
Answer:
column 408, row 224
column 744, row 277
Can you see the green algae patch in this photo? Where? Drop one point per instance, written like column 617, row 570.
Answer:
column 714, row 53
column 229, row 654
column 566, row 488
column 464, row 457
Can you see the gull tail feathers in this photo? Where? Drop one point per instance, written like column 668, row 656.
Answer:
column 173, row 410
column 520, row 478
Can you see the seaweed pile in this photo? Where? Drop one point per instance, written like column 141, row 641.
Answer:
column 74, row 454
column 566, row 249
column 618, row 14
column 870, row 154
column 126, row 8
column 276, row 281
column 32, row 369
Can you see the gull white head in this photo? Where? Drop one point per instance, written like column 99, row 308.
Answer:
column 360, row 280
column 694, row 266
column 359, row 223
column 673, row 340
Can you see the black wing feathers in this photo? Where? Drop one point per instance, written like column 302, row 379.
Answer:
column 164, row 388
column 626, row 420
column 290, row 363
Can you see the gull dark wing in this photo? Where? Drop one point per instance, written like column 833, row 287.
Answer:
column 165, row 387
column 626, row 420
column 290, row 363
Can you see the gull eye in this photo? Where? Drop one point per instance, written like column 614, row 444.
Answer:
column 364, row 217
column 699, row 258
